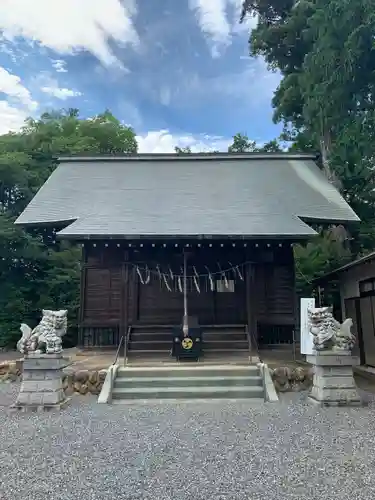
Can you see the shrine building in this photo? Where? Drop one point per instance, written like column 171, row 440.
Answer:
column 166, row 235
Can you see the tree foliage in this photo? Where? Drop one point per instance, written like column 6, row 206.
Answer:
column 242, row 144
column 325, row 53
column 36, row 271
column 185, row 150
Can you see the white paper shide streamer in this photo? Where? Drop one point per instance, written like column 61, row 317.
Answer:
column 210, row 279
column 166, row 283
column 236, row 271
column 223, row 276
column 148, row 276
column 169, row 276
column 140, row 276
column 196, row 278
column 179, row 283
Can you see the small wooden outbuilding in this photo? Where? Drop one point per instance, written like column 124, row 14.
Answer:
column 356, row 283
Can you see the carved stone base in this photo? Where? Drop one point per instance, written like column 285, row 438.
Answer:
column 333, row 383
column 41, row 386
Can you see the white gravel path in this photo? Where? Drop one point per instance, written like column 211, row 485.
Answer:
column 187, row 451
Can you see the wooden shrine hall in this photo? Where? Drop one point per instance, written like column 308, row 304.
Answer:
column 167, row 237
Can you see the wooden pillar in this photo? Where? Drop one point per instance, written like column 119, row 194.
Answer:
column 81, row 313
column 214, row 299
column 136, row 292
column 296, row 306
column 251, row 305
column 125, row 319
column 124, row 305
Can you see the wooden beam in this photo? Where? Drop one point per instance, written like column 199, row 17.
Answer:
column 251, row 305
column 124, row 299
column 135, row 294
column 296, row 305
column 81, row 313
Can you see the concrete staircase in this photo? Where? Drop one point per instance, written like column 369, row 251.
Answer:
column 192, row 381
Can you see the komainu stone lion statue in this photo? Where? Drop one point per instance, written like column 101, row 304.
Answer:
column 329, row 333
column 46, row 337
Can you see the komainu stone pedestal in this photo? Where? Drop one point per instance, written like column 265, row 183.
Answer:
column 41, row 387
column 333, row 383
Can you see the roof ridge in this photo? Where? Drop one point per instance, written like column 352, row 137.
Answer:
column 189, row 156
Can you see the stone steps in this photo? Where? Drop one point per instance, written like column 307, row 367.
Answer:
column 163, row 336
column 183, row 382
column 235, row 381
column 157, row 343
column 186, row 369
column 165, row 345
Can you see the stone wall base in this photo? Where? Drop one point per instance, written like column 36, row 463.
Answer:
column 42, row 383
column 40, row 408
column 333, row 381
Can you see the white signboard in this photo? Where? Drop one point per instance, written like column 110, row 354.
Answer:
column 307, row 346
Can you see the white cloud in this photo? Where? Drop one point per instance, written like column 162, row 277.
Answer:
column 247, row 24
column 212, row 18
column 255, row 85
column 59, row 66
column 165, row 95
column 219, row 21
column 11, row 118
column 46, row 84
column 236, row 91
column 69, row 26
column 17, row 103
column 60, row 92
column 11, row 86
column 162, row 141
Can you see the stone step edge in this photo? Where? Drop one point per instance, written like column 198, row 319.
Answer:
column 207, row 378
column 208, row 388
column 164, row 401
column 191, row 367
column 206, row 351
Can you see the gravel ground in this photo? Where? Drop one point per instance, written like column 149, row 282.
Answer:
column 188, row 451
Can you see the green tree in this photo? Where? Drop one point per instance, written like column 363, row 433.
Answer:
column 185, row 150
column 272, row 146
column 36, row 271
column 242, row 144
column 323, row 253
column 325, row 53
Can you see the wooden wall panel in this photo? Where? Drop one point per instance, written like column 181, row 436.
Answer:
column 156, row 305
column 260, row 298
column 102, row 295
column 276, row 300
column 280, row 291
column 231, row 306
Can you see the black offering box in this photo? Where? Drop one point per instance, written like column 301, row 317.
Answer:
column 189, row 346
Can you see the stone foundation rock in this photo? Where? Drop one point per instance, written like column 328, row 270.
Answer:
column 92, row 380
column 84, row 382
column 10, row 371
column 288, row 379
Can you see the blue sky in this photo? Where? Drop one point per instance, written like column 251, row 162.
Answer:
column 178, row 71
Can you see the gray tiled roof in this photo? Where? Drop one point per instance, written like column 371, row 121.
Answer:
column 205, row 195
